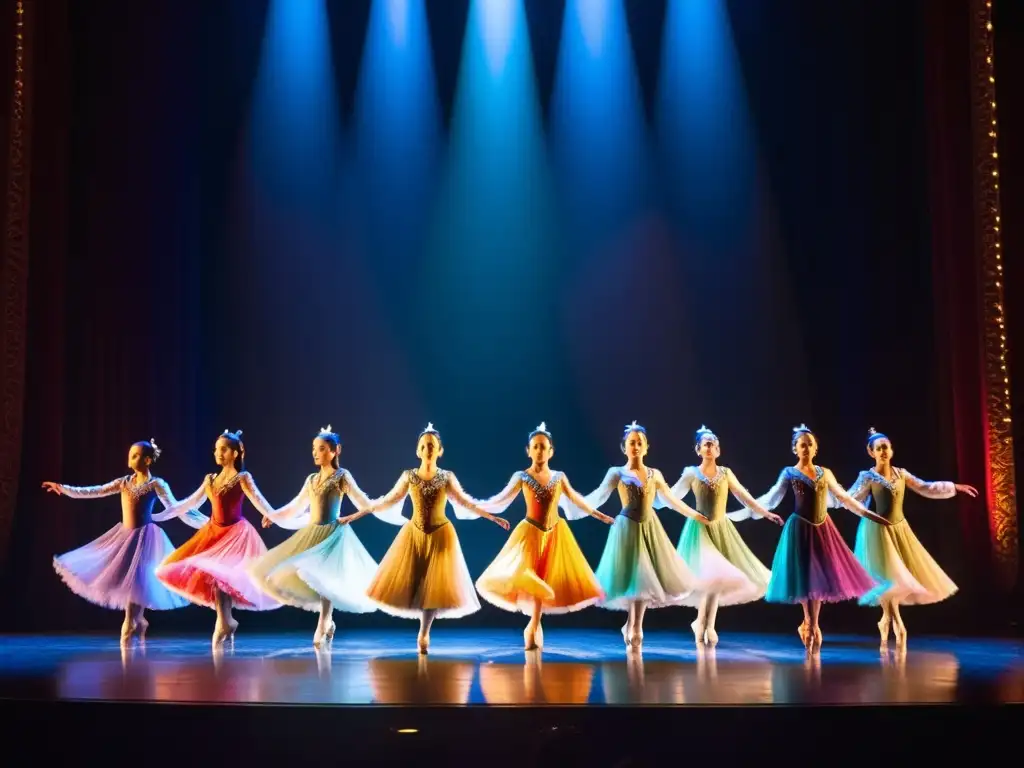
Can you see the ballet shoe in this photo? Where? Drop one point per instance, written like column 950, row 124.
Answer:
column 815, row 638
column 225, row 632
column 698, row 632
column 127, row 630
column 900, row 630
column 423, row 643
column 324, row 635
column 534, row 640
column 634, row 640
column 883, row 630
column 804, row 631
column 711, row 637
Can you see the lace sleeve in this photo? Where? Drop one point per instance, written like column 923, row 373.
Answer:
column 391, row 514
column 776, row 493
column 750, row 506
column 683, row 486
column 464, row 505
column 186, row 509
column 191, row 517
column 251, row 491
column 938, row 489
column 92, row 491
column 843, row 497
column 861, row 489
column 574, row 505
column 497, row 504
column 295, row 514
column 668, row 499
column 389, row 506
column 603, row 492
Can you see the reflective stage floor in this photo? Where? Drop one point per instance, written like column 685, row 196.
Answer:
column 584, row 682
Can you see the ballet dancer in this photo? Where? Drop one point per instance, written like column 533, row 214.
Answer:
column 892, row 553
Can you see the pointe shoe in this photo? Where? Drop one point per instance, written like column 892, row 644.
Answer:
column 900, row 630
column 815, row 639
column 805, row 632
column 225, row 632
column 698, row 632
column 711, row 637
column 423, row 643
column 625, row 635
column 127, row 630
column 324, row 635
column 883, row 630
column 530, row 639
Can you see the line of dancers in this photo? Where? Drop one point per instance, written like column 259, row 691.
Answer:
column 540, row 570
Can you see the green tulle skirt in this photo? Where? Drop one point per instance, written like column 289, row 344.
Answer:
column 698, row 546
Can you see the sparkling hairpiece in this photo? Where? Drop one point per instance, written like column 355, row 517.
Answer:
column 801, row 428
column 326, row 430
column 229, row 432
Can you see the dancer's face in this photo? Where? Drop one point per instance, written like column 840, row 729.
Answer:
column 540, row 450
column 709, row 448
column 636, row 445
column 223, row 454
column 806, row 447
column 881, row 450
column 137, row 462
column 323, row 454
column 429, row 448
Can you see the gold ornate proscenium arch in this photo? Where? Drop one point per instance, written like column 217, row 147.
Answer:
column 14, row 274
column 1001, row 490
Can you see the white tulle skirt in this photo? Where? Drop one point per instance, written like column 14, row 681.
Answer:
column 318, row 561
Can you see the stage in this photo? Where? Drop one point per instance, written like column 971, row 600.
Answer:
column 478, row 695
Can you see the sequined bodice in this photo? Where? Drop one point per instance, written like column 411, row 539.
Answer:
column 542, row 500
column 137, row 503
column 325, row 495
column 225, row 500
column 811, row 495
column 888, row 497
column 711, row 494
column 428, row 500
column 637, row 500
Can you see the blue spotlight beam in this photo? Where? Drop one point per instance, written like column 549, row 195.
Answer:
column 493, row 238
column 397, row 131
column 704, row 124
column 294, row 123
column 599, row 136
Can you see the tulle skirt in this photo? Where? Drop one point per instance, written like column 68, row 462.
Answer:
column 540, row 565
column 119, row 568
column 424, row 572
column 318, row 561
column 640, row 563
column 216, row 558
column 812, row 562
column 895, row 558
column 697, row 546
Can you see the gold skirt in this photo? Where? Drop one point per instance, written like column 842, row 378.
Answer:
column 424, row 572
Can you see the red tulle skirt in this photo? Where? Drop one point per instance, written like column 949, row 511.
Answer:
column 216, row 559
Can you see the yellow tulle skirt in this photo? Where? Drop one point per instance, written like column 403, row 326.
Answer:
column 424, row 572
column 540, row 565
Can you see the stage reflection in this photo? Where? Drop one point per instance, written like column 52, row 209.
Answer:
column 298, row 675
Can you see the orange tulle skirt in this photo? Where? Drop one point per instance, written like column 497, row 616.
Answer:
column 540, row 565
column 216, row 559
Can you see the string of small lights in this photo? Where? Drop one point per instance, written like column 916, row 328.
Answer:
column 1002, row 493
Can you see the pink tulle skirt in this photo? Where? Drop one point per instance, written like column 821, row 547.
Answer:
column 217, row 559
column 119, row 568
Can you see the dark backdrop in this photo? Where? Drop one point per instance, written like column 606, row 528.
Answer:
column 169, row 299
